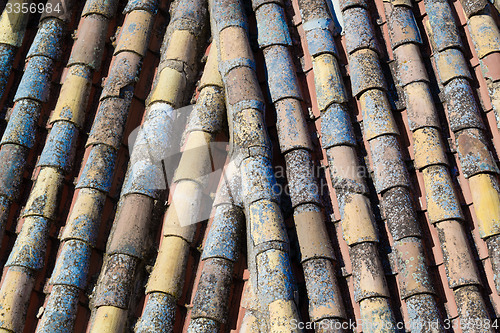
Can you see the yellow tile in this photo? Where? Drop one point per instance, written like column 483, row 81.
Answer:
column 109, row 319
column 358, row 222
column 168, row 273
column 486, row 199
